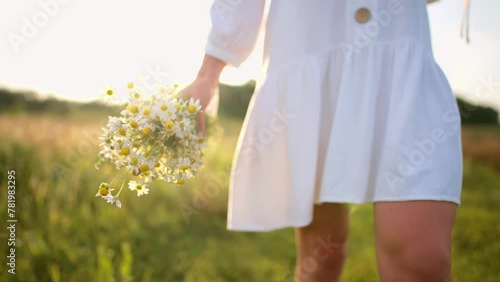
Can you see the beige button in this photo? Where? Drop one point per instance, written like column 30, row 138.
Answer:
column 362, row 15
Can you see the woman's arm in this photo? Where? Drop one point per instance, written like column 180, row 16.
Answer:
column 236, row 25
column 211, row 69
column 234, row 32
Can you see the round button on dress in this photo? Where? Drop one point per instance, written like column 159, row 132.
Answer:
column 362, row 15
column 344, row 112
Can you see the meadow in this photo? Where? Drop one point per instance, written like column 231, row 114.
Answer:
column 64, row 233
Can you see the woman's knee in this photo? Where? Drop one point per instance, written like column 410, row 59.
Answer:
column 420, row 255
column 325, row 260
column 414, row 238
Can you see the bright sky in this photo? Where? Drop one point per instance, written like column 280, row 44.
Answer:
column 83, row 45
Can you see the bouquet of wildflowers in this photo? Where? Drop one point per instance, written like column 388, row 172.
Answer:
column 154, row 138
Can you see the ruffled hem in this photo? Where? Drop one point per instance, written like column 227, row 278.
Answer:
column 320, row 129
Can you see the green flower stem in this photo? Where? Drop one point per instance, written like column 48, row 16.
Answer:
column 119, row 191
column 116, row 176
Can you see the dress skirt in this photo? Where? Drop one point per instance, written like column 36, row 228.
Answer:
column 351, row 108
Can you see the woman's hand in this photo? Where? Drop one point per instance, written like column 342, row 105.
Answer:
column 203, row 90
column 205, row 86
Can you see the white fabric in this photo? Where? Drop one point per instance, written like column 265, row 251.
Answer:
column 346, row 111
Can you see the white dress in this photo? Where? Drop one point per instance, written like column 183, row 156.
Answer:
column 352, row 108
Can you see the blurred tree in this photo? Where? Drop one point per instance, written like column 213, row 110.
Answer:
column 473, row 114
column 234, row 101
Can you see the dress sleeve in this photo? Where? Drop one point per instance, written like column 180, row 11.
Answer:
column 235, row 29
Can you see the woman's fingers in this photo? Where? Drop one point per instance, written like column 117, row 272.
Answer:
column 201, row 123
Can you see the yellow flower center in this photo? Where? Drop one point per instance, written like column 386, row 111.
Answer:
column 122, row 131
column 138, row 187
column 157, row 164
column 163, row 107
column 193, row 160
column 169, row 125
column 103, row 191
column 134, row 124
column 134, row 161
column 125, row 151
column 144, row 167
column 180, row 182
column 137, row 95
column 192, row 109
column 184, row 167
column 178, row 107
column 110, row 92
column 146, row 130
column 130, row 85
column 147, row 112
column 133, row 109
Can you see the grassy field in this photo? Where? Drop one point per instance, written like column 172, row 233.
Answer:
column 177, row 233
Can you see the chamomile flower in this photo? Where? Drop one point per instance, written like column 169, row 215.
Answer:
column 193, row 106
column 146, row 165
column 109, row 91
column 104, row 190
column 147, row 129
column 181, row 177
column 195, row 161
column 140, row 187
column 184, row 163
column 185, row 124
column 114, row 123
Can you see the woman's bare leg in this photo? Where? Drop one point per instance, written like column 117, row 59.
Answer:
column 322, row 245
column 413, row 240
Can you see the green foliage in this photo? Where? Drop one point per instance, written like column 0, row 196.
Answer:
column 234, row 100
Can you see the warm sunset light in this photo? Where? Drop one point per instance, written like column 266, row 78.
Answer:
column 250, row 140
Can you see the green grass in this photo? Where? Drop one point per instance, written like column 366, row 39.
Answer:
column 65, row 234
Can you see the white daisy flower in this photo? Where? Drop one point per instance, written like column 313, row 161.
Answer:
column 109, row 91
column 114, row 123
column 145, row 164
column 181, row 177
column 184, row 163
column 193, row 107
column 140, row 187
column 185, row 124
column 147, row 128
column 195, row 162
column 104, row 190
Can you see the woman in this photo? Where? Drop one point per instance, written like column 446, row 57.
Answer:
column 352, row 108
